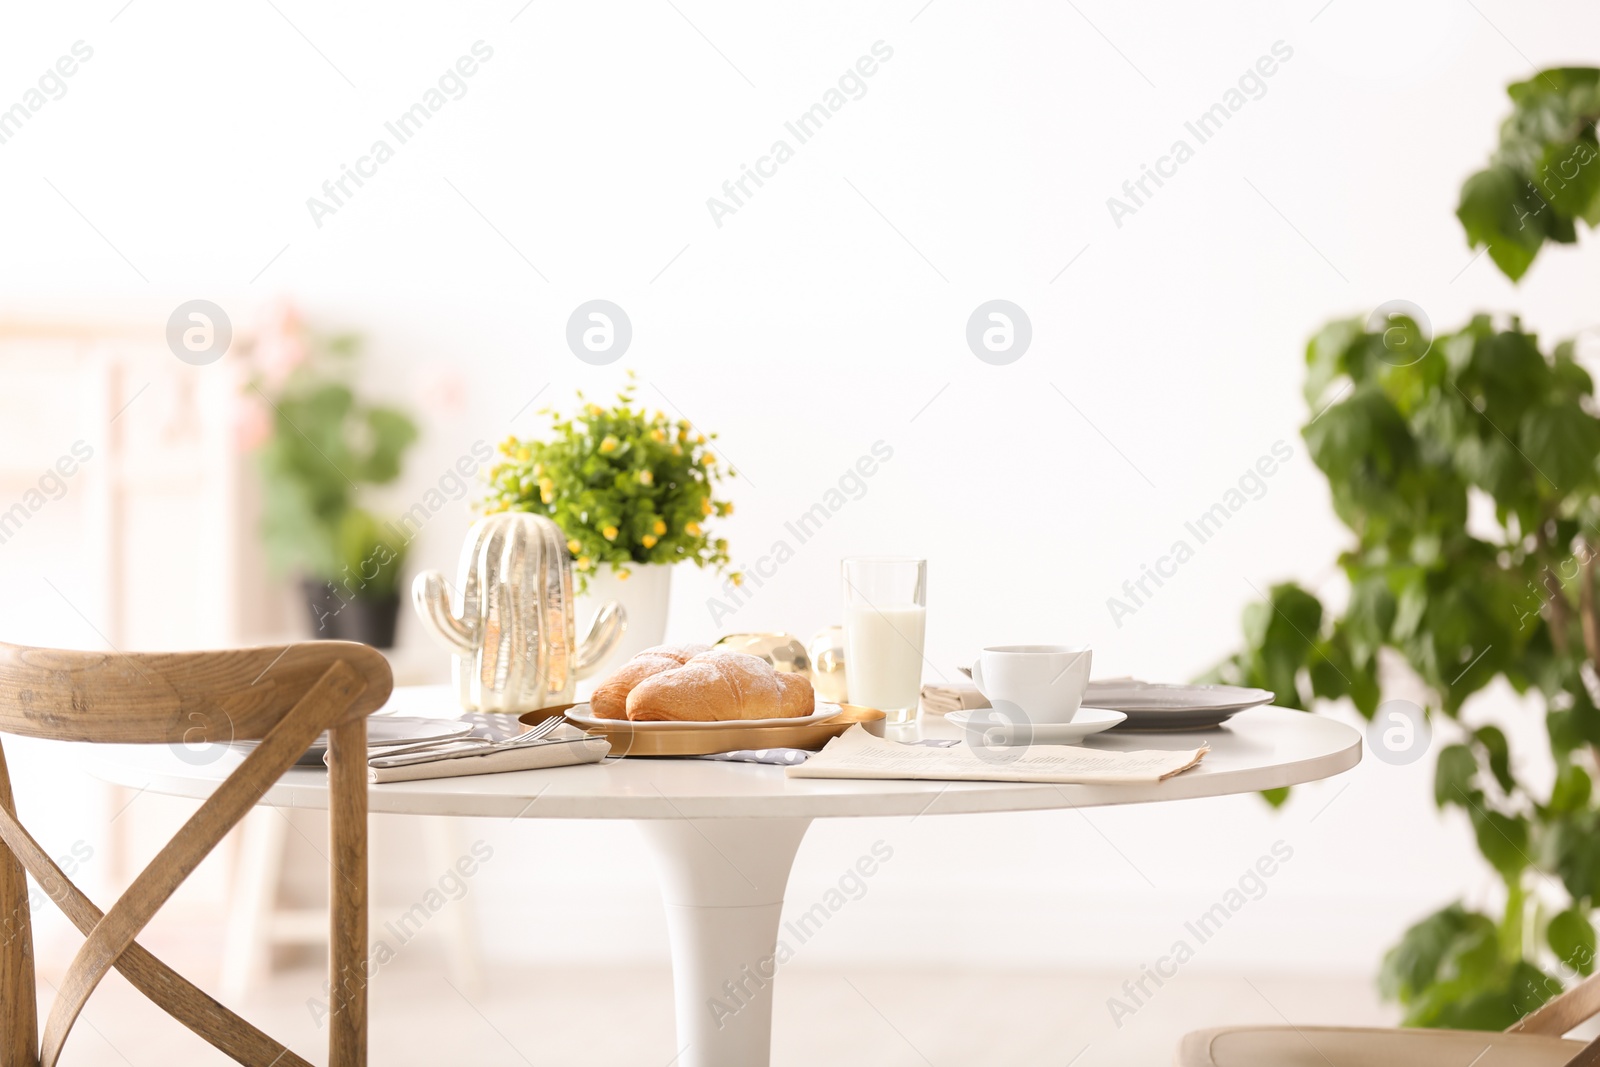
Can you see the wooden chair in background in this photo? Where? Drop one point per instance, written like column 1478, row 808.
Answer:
column 1535, row 1041
column 283, row 697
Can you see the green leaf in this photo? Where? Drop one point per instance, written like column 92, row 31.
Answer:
column 371, row 556
column 1572, row 848
column 391, row 432
column 1275, row 797
column 1561, row 441
column 1494, row 744
column 1571, row 791
column 1453, row 776
column 1327, row 357
column 1572, row 938
column 1573, row 382
column 1369, row 616
column 1415, row 963
column 1495, row 210
column 1566, row 176
column 1503, row 840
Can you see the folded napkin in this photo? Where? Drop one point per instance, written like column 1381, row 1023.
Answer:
column 858, row 754
column 563, row 747
column 941, row 698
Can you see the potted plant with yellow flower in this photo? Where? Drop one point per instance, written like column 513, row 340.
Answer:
column 634, row 492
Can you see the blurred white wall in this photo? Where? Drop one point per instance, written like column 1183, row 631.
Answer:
column 828, row 313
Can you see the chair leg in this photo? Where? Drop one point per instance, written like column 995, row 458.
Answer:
column 347, row 812
column 19, row 1009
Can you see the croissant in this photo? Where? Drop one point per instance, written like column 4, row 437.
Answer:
column 716, row 686
column 610, row 699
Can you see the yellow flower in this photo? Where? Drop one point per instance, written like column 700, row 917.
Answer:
column 725, row 509
column 584, row 563
column 648, row 540
column 574, row 546
column 623, row 576
column 609, row 533
column 546, row 496
column 658, row 436
column 677, row 450
column 705, row 506
column 609, row 444
column 737, row 577
column 711, row 459
column 647, row 478
column 660, row 527
column 524, row 454
column 595, row 409
column 693, row 529
column 700, row 440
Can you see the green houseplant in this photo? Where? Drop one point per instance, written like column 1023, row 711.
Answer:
column 633, row 491
column 1545, row 175
column 317, row 445
column 1408, row 427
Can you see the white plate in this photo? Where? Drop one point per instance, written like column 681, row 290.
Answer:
column 581, row 713
column 1153, row 697
column 990, row 728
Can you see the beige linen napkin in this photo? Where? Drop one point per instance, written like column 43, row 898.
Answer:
column 941, row 698
column 858, row 754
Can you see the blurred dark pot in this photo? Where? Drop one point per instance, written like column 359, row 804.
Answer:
column 369, row 620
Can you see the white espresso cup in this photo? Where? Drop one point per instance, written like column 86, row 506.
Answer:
column 1046, row 681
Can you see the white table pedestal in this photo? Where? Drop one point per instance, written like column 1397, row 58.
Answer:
column 722, row 881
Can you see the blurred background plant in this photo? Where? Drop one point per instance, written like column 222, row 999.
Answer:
column 625, row 485
column 1412, row 432
column 1543, row 177
column 318, row 448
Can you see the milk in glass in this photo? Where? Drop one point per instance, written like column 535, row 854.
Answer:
column 883, row 655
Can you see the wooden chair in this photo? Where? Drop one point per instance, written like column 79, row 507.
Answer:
column 1535, row 1041
column 283, row 697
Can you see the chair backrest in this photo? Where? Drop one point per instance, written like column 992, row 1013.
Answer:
column 1564, row 1013
column 284, row 697
column 151, row 697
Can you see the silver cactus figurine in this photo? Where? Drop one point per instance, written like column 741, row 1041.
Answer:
column 512, row 626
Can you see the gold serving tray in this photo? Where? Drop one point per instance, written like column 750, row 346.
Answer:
column 639, row 739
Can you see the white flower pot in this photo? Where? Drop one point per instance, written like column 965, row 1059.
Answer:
column 644, row 594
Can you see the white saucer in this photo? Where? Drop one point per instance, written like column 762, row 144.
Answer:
column 991, row 728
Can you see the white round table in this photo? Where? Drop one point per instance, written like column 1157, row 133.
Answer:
column 724, row 835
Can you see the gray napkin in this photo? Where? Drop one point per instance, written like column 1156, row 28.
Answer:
column 782, row 757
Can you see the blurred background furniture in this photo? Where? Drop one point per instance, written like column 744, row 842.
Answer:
column 1535, row 1041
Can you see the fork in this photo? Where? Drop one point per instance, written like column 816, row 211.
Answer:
column 532, row 733
column 427, row 754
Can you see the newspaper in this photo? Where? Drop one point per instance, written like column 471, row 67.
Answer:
column 858, row 754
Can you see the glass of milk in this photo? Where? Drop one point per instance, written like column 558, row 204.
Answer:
column 885, row 615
